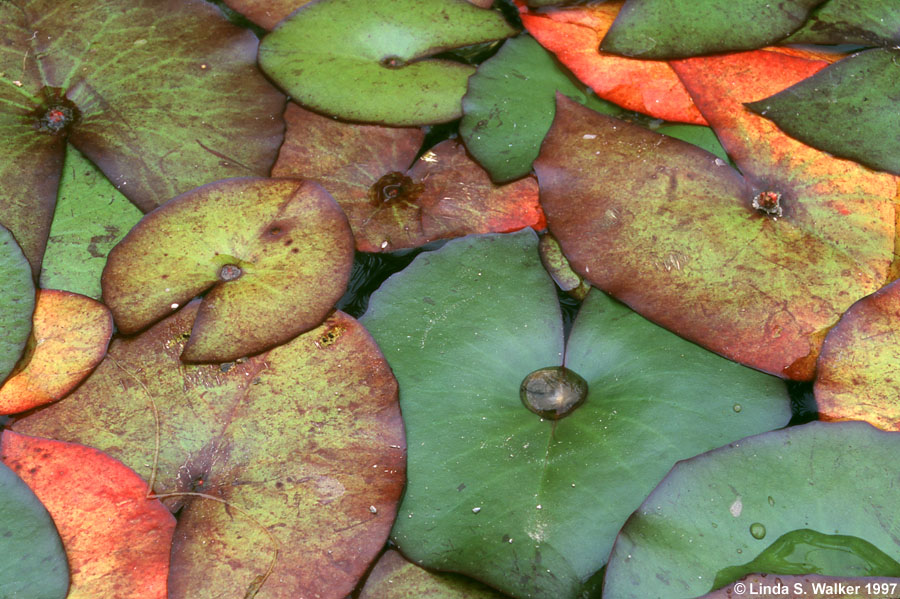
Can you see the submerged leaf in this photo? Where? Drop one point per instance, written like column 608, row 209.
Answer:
column 16, row 302
column 395, row 578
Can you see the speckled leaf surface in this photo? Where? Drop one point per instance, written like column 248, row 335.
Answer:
column 509, row 106
column 116, row 538
column 91, row 217
column 16, row 302
column 306, row 438
column 391, row 206
column 309, row 55
column 865, row 22
column 859, row 368
column 68, row 339
column 848, row 109
column 663, row 29
column 673, row 232
column 493, row 488
column 277, row 254
column 699, row 519
column 32, row 559
column 395, row 578
column 72, row 72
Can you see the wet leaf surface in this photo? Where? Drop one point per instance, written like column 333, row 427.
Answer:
column 276, row 254
column 664, row 29
column 68, row 339
column 309, row 56
column 395, row 578
column 720, row 258
column 305, row 438
column 865, row 22
column 16, row 302
column 72, row 73
column 725, row 507
column 848, row 109
column 32, row 560
column 117, row 540
column 493, row 488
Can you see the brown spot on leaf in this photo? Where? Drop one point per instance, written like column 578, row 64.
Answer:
column 394, row 188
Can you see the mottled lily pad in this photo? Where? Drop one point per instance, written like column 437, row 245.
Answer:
column 16, row 302
column 494, row 488
column 728, row 506
column 305, row 440
column 864, row 22
column 117, row 539
column 395, row 578
column 325, row 48
column 277, row 254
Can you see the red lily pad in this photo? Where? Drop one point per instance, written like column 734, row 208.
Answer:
column 116, row 538
column 754, row 267
column 391, row 206
column 305, row 442
column 68, row 339
column 277, row 254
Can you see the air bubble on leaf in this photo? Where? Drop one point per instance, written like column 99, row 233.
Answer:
column 553, row 392
column 757, row 530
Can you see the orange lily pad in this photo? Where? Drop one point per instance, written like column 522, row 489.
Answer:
column 391, row 206
column 69, row 336
column 116, row 538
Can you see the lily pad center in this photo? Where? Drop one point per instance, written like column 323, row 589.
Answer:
column 57, row 114
column 553, row 392
column 769, row 203
column 394, row 188
column 230, row 272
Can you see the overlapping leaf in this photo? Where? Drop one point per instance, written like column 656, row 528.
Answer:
column 116, row 538
column 495, row 489
column 391, row 206
column 305, row 440
column 395, row 578
column 276, row 252
column 147, row 90
column 755, row 267
column 865, row 22
column 16, row 302
column 69, row 337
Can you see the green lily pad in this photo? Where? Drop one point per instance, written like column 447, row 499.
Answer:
column 306, row 440
column 493, row 488
column 16, row 302
column 91, row 217
column 663, row 29
column 375, row 47
column 763, row 495
column 697, row 135
column 395, row 578
column 848, row 109
column 509, row 107
column 277, row 254
column 865, row 22
column 145, row 89
column 32, row 560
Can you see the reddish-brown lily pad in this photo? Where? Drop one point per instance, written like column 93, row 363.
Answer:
column 116, row 538
column 754, row 267
column 304, row 441
column 68, row 339
column 277, row 254
column 393, row 577
column 390, row 205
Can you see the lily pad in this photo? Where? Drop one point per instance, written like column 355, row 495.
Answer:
column 72, row 74
column 848, row 109
column 68, row 339
column 32, row 560
column 755, row 267
column 664, row 29
column 277, row 254
column 509, row 106
column 395, row 578
column 728, row 506
column 865, row 22
column 305, row 440
column 16, row 302
column 325, row 48
column 266, row 13
column 117, row 539
column 91, row 217
column 493, row 488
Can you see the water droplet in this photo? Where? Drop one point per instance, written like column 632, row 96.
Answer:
column 475, row 510
column 771, row 501
column 553, row 392
column 230, row 272
column 737, row 407
column 373, row 509
column 757, row 530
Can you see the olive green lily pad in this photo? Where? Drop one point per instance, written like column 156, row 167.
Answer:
column 494, row 488
column 663, row 29
column 509, row 106
column 395, row 578
column 762, row 495
column 32, row 560
column 277, row 254
column 848, row 109
column 305, row 443
column 865, row 22
column 16, row 302
column 91, row 217
column 373, row 50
